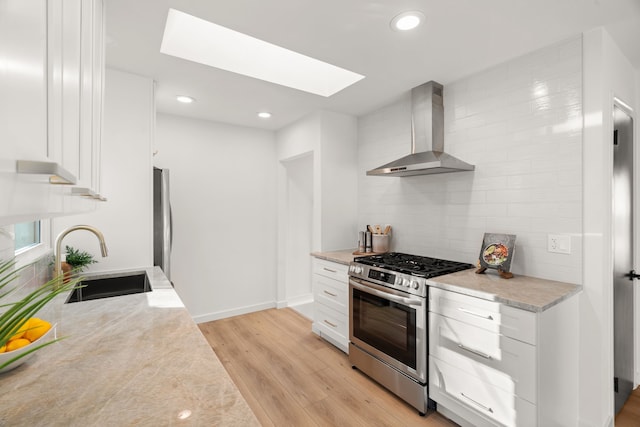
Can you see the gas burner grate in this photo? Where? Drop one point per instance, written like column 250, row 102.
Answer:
column 415, row 265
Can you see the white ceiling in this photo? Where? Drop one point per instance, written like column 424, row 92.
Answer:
column 460, row 38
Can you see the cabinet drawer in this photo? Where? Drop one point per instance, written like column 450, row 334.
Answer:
column 330, row 320
column 448, row 384
column 489, row 315
column 501, row 361
column 330, row 292
column 330, row 269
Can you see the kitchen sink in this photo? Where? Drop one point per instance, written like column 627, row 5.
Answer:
column 110, row 286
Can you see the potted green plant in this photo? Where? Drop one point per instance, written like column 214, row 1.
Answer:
column 78, row 260
column 16, row 312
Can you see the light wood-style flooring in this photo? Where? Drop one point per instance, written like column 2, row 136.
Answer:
column 629, row 415
column 291, row 377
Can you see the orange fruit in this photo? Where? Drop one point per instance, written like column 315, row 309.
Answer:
column 37, row 328
column 17, row 343
column 21, row 331
column 3, row 348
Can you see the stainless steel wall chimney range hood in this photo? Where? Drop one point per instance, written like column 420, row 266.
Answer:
column 427, row 138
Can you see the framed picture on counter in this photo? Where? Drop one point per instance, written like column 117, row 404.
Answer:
column 497, row 253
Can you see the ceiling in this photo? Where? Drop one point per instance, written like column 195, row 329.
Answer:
column 460, row 37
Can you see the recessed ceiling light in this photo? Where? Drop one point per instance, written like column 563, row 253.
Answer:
column 185, row 99
column 264, row 115
column 194, row 39
column 407, row 20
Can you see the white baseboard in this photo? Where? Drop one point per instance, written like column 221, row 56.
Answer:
column 233, row 312
column 299, row 300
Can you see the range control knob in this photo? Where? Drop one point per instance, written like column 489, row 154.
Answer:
column 357, row 269
column 352, row 268
column 415, row 284
column 406, row 283
column 398, row 281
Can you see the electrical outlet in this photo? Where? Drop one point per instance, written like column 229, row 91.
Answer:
column 559, row 243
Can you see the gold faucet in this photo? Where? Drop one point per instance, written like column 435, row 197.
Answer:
column 58, row 261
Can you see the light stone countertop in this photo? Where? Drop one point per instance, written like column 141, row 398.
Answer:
column 527, row 293
column 129, row 360
column 344, row 256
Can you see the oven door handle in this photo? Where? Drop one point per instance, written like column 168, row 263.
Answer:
column 385, row 295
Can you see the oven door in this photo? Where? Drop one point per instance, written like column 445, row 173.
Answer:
column 390, row 325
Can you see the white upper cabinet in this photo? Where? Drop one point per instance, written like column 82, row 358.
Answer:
column 76, row 57
column 91, row 91
column 51, row 84
column 23, row 80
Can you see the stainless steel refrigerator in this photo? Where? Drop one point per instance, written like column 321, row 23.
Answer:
column 162, row 224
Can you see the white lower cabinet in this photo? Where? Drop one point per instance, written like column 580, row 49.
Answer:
column 494, row 365
column 330, row 282
column 496, row 405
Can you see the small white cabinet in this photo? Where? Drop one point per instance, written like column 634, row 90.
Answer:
column 51, row 72
column 330, row 282
column 495, row 365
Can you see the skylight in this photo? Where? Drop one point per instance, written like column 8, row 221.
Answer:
column 194, row 39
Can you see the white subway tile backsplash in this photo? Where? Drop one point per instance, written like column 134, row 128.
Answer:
column 533, row 180
column 545, row 210
column 520, row 123
column 466, row 197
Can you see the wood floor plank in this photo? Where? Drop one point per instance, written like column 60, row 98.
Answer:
column 303, row 349
column 361, row 402
column 629, row 415
column 263, row 386
column 288, row 372
column 290, row 376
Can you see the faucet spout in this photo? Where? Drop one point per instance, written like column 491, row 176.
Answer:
column 58, row 260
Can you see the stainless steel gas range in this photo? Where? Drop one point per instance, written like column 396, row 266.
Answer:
column 388, row 329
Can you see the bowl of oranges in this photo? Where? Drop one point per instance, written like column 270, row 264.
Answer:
column 22, row 345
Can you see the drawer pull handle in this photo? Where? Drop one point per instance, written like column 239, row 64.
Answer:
column 330, row 324
column 329, row 293
column 486, row 408
column 476, row 352
column 329, row 270
column 484, row 316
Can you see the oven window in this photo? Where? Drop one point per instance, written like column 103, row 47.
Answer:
column 385, row 325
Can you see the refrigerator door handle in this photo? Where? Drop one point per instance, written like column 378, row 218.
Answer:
column 170, row 227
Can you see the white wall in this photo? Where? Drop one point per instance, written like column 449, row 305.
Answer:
column 339, row 178
column 223, row 195
column 607, row 73
column 519, row 123
column 126, row 178
column 329, row 139
column 297, row 140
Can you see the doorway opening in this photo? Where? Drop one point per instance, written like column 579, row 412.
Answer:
column 298, row 231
